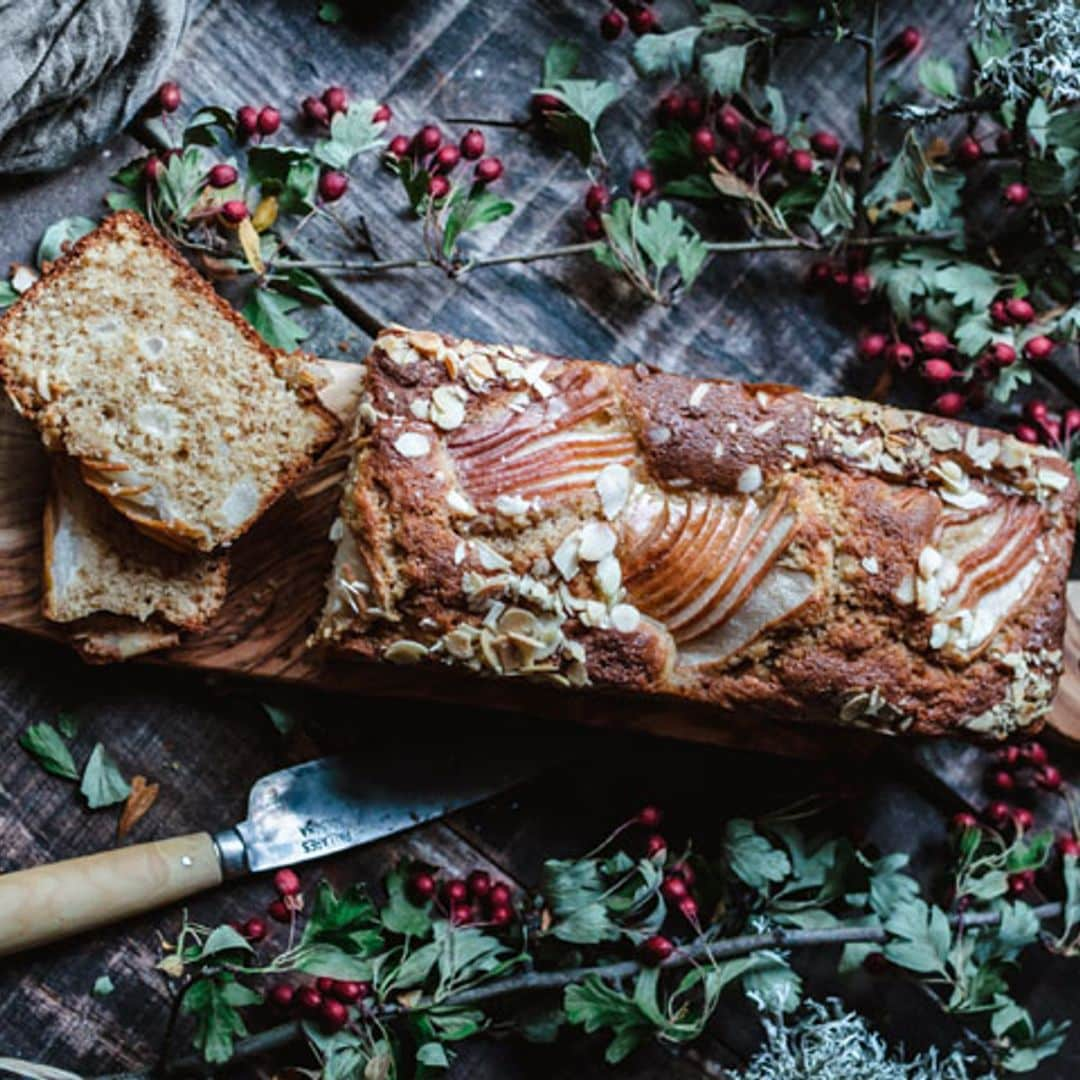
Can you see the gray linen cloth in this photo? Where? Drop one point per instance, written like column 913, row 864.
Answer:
column 73, row 72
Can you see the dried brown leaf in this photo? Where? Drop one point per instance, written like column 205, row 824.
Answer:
column 249, row 242
column 142, row 797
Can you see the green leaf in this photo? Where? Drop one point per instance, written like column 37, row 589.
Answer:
column 594, row 1005
column 669, row 151
column 988, row 886
column 1019, row 926
column 723, row 70
column 694, row 186
column 102, row 782
column 43, row 742
column 452, row 1024
column 268, row 312
column 215, row 1003
column 560, row 62
column 400, row 915
column 1031, row 852
column 330, row 13
column 351, row 133
column 433, row 1054
column 203, row 128
column 1071, row 871
column 1063, row 128
column 222, row 939
column 103, row 986
column 1009, row 380
column 122, row 200
column 349, row 921
column 720, row 17
column 8, row 295
column 922, row 936
column 657, row 54
column 471, row 212
column 568, row 884
column 283, row 722
column 772, row 980
column 541, row 1025
column 908, row 174
column 938, row 77
column 588, row 925
column 587, row 101
column 836, row 207
column 751, row 857
column 67, row 724
column 335, row 962
column 60, row 235
column 1038, row 121
column 308, row 286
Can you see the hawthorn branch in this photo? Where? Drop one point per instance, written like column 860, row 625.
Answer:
column 869, row 122
column 703, row 949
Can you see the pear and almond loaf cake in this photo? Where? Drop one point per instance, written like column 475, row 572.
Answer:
column 752, row 547
column 177, row 411
column 123, row 593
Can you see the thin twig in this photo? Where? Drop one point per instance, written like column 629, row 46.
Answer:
column 869, row 124
column 538, row 981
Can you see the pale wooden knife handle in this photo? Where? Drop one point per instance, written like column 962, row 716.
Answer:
column 51, row 902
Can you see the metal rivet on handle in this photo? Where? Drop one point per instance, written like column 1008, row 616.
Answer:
column 185, row 860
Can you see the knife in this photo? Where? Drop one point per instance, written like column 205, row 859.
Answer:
column 311, row 810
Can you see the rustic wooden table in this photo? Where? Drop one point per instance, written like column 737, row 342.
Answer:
column 207, row 741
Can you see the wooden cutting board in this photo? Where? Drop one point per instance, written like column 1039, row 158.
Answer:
column 276, row 593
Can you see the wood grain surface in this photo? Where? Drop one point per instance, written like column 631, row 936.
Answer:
column 205, row 736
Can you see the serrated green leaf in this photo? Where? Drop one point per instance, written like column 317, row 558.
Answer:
column 351, row 133
column 594, row 1006
column 221, row 939
column 348, row 921
column 60, row 235
column 836, row 207
column 204, row 127
column 472, row 211
column 268, row 311
column 43, row 742
column 921, row 936
column 670, row 153
column 400, row 915
column 723, row 69
column 751, row 857
column 334, row 962
column 720, row 17
column 103, row 986
column 938, row 77
column 560, row 62
column 433, row 1055
column 102, row 782
column 215, row 1003
column 658, row 54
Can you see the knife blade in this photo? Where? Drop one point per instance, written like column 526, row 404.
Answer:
column 302, row 813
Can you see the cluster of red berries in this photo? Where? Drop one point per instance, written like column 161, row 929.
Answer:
column 473, row 899
column 1018, row 772
column 1039, row 425
column 326, row 1001
column 289, row 897
column 633, row 13
column 968, row 151
column 439, row 158
column 252, row 122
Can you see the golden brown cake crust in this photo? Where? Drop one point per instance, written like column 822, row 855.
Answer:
column 753, row 547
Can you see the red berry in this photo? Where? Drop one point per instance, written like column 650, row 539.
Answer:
column 907, row 41
column 222, row 175
column 762, row 137
column 324, row 984
column 336, row 99
column 421, row 887
column 778, row 150
column 875, row 963
column 802, row 161
column 460, row 914
column 333, row 1016
column 938, row 371
column 1009, row 756
column 269, row 120
column 1038, row 412
column 643, row 21
column 642, row 183
column 900, row 354
column 279, row 912
column 820, row 274
column 1019, row 310
column 479, row 883
column 446, row 158
column 669, row 109
column 825, row 144
column 1021, row 882
column 1038, row 348
column 169, row 97
column 934, row 343
column 703, row 142
column 949, row 404
column 732, row 156
column 918, row 325
column 255, row 929
column 308, row 1001
column 541, row 105
column 968, row 150
column 861, row 285
column 649, row 816
column 382, row 115
column 1002, row 354
column 398, row 146
column 1027, row 434
column 349, row 991
column 1024, row 818
column 286, row 882
column 871, row 346
column 1068, row 845
column 234, row 211
column 455, row 892
column 332, row 185
column 612, row 24
column 593, row 228
column 688, row 908
column 685, row 871
column 998, row 313
column 963, row 821
column 998, row 812
column 840, row 279
column 428, row 139
column 596, row 198
column 1002, row 780
column 488, row 170
column 438, row 187
column 501, row 915
column 280, row 996
column 1072, row 422
column 1016, row 194
column 674, row 888
column 1035, row 752
column 693, row 111
column 730, row 121
column 314, row 111
column 153, row 167
column 472, row 145
column 1049, row 777
column 655, row 950
column 247, row 119
column 655, row 844
column 1052, row 429
column 500, row 895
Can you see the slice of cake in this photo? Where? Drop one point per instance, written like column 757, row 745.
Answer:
column 124, row 593
column 177, row 411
